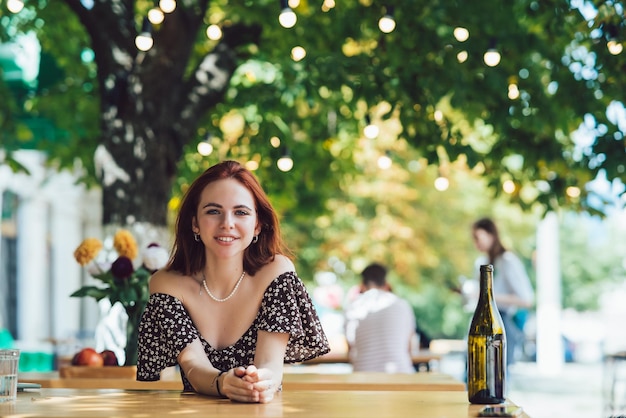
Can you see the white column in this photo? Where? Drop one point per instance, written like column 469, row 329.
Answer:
column 550, row 355
column 65, row 235
column 5, row 173
column 33, row 269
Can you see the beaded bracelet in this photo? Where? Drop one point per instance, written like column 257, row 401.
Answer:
column 217, row 384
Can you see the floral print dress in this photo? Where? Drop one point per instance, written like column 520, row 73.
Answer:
column 166, row 329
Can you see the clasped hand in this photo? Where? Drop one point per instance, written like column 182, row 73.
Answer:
column 249, row 384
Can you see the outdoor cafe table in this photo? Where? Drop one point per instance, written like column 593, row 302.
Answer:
column 429, row 381
column 423, row 360
column 301, row 404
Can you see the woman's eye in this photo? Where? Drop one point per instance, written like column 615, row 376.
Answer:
column 242, row 212
column 212, row 212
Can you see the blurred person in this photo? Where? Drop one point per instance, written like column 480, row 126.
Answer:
column 228, row 308
column 380, row 326
column 512, row 289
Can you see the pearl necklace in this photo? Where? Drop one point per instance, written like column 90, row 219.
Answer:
column 243, row 273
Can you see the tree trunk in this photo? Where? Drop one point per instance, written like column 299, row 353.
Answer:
column 136, row 188
column 152, row 102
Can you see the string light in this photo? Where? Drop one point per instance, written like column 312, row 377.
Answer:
column 513, row 91
column 327, row 5
column 15, row 6
column 205, row 148
column 144, row 40
column 461, row 34
column 614, row 47
column 156, row 16
column 387, row 23
column 275, row 141
column 298, row 53
column 611, row 32
column 508, row 186
column 285, row 163
column 370, row 131
column 573, row 192
column 492, row 56
column 214, row 32
column 384, row 161
column 287, row 17
column 168, row 6
column 442, row 183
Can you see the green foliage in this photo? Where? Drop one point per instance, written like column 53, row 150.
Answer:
column 317, row 105
column 60, row 113
column 591, row 253
column 438, row 115
column 128, row 291
column 439, row 314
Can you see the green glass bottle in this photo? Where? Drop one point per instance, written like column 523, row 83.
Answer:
column 486, row 347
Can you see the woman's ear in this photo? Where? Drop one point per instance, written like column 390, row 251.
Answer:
column 257, row 229
column 194, row 225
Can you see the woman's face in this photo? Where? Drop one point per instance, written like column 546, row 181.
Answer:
column 483, row 240
column 226, row 217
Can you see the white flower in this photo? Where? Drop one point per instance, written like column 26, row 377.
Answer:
column 155, row 257
column 96, row 268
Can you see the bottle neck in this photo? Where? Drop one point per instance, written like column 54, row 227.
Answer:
column 486, row 284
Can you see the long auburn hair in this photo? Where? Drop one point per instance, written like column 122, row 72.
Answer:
column 489, row 226
column 188, row 255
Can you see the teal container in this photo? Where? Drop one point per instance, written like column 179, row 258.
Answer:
column 36, row 361
column 6, row 339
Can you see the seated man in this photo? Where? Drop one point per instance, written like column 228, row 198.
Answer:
column 380, row 327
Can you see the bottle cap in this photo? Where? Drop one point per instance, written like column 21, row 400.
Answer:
column 486, row 267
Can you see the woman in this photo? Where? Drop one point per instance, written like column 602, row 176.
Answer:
column 229, row 307
column 512, row 289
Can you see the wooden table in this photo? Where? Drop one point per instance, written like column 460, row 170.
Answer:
column 301, row 404
column 429, row 381
column 423, row 360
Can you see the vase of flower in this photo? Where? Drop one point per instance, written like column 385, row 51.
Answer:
column 124, row 283
column 132, row 332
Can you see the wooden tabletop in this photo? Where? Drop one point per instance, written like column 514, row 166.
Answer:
column 429, row 381
column 171, row 381
column 108, row 403
column 419, row 357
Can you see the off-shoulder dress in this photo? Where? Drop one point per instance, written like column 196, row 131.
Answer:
column 166, row 329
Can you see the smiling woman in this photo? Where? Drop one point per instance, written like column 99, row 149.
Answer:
column 228, row 308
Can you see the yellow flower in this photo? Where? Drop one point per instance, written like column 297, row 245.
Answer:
column 87, row 250
column 125, row 244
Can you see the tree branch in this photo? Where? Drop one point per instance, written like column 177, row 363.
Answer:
column 212, row 76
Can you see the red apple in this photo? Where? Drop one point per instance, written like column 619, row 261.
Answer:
column 109, row 357
column 88, row 357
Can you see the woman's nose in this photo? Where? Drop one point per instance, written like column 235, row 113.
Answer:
column 227, row 220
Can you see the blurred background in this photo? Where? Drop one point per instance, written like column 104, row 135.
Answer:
column 380, row 130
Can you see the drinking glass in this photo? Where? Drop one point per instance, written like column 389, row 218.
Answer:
column 9, row 363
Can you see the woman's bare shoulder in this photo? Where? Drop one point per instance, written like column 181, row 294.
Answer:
column 279, row 265
column 168, row 282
